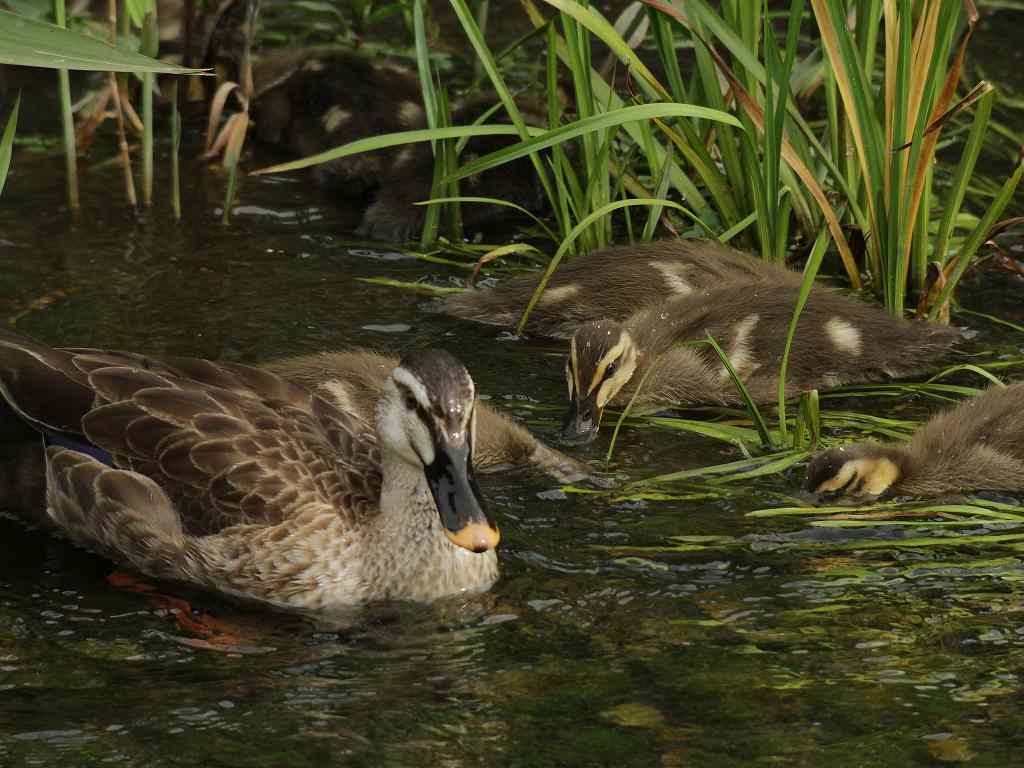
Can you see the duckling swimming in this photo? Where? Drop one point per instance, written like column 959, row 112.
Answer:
column 237, row 480
column 613, row 283
column 313, row 100
column 978, row 445
column 839, row 340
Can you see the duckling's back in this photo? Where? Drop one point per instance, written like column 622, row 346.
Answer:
column 839, row 339
column 614, row 283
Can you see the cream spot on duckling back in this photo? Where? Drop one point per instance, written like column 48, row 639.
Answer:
column 313, row 65
column 844, row 336
column 741, row 356
column 404, row 158
column 674, row 275
column 556, row 295
column 334, row 118
column 411, row 114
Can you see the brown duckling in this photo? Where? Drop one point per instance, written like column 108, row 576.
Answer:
column 234, row 479
column 978, row 445
column 839, row 340
column 612, row 284
column 312, row 100
column 353, row 381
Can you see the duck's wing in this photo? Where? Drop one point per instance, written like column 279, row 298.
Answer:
column 227, row 443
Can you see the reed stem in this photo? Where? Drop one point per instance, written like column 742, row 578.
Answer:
column 67, row 119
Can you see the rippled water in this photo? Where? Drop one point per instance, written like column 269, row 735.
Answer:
column 590, row 650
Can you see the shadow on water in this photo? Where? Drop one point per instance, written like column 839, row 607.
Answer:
column 591, row 650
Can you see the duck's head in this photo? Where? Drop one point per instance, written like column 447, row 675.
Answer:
column 426, row 417
column 854, row 474
column 602, row 359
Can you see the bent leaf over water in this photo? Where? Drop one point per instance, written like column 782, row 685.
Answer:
column 30, row 43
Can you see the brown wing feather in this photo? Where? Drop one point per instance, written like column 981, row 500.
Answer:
column 226, row 443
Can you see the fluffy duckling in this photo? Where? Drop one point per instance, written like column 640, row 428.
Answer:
column 310, row 101
column 839, row 340
column 612, row 284
column 353, row 381
column 979, row 444
column 234, row 479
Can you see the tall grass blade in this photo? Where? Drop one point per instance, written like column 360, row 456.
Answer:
column 7, row 142
column 810, row 273
column 67, row 118
column 150, row 46
column 393, row 140
column 748, row 401
column 979, row 236
column 599, row 122
column 175, row 149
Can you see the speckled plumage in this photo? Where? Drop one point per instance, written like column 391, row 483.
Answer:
column 233, row 478
column 352, row 379
column 978, row 445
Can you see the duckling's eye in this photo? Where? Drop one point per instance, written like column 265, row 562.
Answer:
column 610, row 369
column 410, row 401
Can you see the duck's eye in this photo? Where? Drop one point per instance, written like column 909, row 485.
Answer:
column 410, row 401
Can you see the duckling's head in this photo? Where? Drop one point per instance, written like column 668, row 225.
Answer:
column 853, row 474
column 602, row 359
column 426, row 417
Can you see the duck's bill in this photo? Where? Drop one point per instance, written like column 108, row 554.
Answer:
column 582, row 420
column 459, row 502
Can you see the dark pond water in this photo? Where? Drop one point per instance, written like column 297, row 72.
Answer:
column 589, row 650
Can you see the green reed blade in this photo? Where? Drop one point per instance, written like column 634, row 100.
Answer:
column 399, row 138
column 748, row 401
column 810, row 273
column 599, row 122
column 7, row 142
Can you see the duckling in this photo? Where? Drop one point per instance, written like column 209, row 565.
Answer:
column 353, row 381
column 612, row 283
column 839, row 340
column 979, row 444
column 234, row 479
column 313, row 100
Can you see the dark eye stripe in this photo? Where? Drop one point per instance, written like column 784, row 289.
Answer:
column 422, row 412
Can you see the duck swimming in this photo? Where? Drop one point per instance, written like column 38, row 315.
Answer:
column 234, row 479
column 839, row 340
column 978, row 445
column 353, row 380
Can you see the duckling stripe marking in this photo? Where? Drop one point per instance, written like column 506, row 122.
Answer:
column 740, row 356
column 410, row 114
column 556, row 295
column 610, row 356
column 334, row 118
column 844, row 336
column 673, row 274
